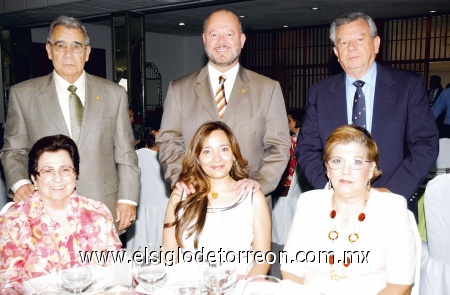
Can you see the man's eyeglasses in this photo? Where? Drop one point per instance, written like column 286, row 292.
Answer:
column 338, row 163
column 62, row 47
column 64, row 171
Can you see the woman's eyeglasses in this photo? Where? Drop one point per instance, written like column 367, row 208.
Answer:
column 338, row 163
column 64, row 171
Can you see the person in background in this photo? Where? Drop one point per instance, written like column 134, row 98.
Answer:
column 435, row 89
column 286, row 195
column 154, row 190
column 214, row 218
column 442, row 107
column 89, row 109
column 252, row 105
column 38, row 233
column 391, row 104
column 365, row 236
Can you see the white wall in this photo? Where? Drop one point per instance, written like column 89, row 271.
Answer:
column 174, row 56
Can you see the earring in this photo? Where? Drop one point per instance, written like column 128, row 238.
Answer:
column 368, row 185
column 35, row 188
column 330, row 185
column 198, row 162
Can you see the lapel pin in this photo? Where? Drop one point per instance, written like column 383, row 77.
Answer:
column 97, row 97
column 243, row 91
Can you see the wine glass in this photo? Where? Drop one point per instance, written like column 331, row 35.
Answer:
column 75, row 273
column 192, row 287
column 149, row 265
column 116, row 289
column 263, row 284
column 219, row 276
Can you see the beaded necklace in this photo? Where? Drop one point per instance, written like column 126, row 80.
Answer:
column 352, row 238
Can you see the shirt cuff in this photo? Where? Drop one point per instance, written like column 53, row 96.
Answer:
column 129, row 202
column 18, row 184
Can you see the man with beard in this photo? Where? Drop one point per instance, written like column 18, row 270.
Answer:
column 252, row 105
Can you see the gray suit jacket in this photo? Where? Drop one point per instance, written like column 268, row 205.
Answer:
column 108, row 162
column 256, row 113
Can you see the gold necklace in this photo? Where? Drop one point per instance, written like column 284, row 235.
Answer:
column 214, row 195
column 352, row 238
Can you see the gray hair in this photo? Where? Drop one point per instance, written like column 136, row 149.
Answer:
column 222, row 10
column 70, row 23
column 351, row 17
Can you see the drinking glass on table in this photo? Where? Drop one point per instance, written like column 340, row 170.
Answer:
column 76, row 273
column 190, row 287
column 149, row 265
column 219, row 276
column 263, row 284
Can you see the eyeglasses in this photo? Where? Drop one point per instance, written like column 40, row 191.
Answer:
column 64, row 171
column 76, row 47
column 338, row 163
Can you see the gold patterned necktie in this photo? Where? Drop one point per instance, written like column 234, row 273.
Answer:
column 76, row 112
column 220, row 97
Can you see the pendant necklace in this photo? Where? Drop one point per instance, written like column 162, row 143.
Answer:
column 352, row 238
column 214, row 195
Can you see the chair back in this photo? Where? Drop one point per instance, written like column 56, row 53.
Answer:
column 416, row 287
column 443, row 159
column 437, row 217
column 6, row 207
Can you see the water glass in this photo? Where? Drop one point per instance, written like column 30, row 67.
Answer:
column 263, row 284
column 75, row 274
column 149, row 265
column 187, row 288
column 219, row 276
column 116, row 289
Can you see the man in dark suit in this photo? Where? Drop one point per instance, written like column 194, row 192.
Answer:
column 435, row 89
column 43, row 106
column 396, row 110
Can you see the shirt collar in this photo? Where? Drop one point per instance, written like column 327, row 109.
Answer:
column 369, row 78
column 62, row 84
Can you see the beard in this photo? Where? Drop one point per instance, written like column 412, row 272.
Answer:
column 220, row 61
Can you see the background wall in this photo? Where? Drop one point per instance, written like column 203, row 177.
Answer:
column 174, row 56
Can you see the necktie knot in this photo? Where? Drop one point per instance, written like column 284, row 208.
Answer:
column 359, row 83
column 72, row 89
column 222, row 79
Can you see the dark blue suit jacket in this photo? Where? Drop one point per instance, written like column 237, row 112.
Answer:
column 403, row 128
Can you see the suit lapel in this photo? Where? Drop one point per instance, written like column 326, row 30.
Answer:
column 93, row 105
column 384, row 97
column 205, row 95
column 239, row 92
column 50, row 103
column 337, row 102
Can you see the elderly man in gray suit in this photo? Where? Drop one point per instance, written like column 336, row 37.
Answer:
column 253, row 108
column 94, row 113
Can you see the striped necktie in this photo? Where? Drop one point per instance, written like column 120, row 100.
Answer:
column 220, row 97
column 76, row 112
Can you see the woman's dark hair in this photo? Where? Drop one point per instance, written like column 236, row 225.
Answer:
column 190, row 213
column 146, row 137
column 297, row 115
column 52, row 144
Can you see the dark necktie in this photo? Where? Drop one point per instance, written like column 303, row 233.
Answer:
column 359, row 105
column 76, row 112
column 432, row 94
column 220, row 97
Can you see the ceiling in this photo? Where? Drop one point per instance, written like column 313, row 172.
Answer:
column 163, row 16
